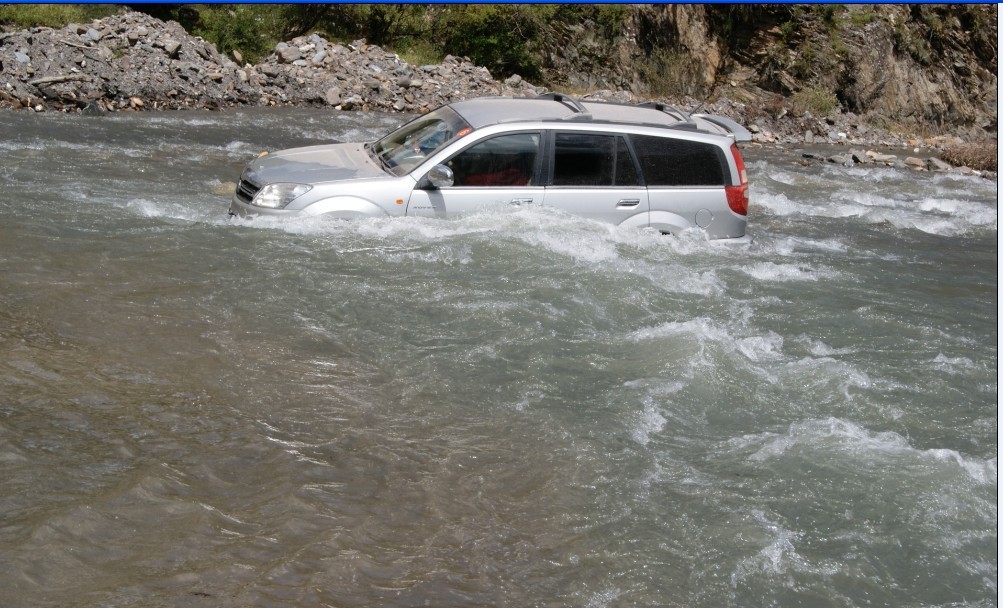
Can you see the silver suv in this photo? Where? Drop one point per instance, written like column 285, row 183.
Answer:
column 645, row 166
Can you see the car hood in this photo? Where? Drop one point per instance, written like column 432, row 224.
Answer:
column 314, row 164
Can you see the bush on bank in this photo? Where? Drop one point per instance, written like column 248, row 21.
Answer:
column 978, row 156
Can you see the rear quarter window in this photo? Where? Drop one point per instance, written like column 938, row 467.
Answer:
column 667, row 161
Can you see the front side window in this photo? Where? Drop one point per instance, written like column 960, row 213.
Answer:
column 667, row 161
column 405, row 148
column 586, row 159
column 505, row 160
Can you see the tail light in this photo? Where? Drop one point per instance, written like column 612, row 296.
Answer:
column 738, row 196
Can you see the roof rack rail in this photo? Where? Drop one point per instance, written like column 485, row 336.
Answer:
column 670, row 110
column 683, row 126
column 580, row 112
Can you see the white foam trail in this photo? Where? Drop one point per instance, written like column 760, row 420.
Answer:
column 788, row 246
column 838, row 436
column 197, row 214
column 701, row 328
column 771, row 271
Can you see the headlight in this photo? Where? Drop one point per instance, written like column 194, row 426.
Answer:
column 277, row 196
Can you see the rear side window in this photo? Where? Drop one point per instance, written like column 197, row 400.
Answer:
column 586, row 159
column 678, row 162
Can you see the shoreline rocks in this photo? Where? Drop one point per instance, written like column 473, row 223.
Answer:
column 872, row 158
column 134, row 62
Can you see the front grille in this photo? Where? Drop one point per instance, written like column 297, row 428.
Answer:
column 246, row 191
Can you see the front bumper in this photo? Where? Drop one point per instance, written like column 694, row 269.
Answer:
column 239, row 208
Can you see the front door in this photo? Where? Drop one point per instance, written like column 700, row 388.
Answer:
column 500, row 171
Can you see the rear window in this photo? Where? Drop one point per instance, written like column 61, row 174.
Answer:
column 678, row 162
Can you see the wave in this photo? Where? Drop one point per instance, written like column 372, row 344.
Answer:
column 841, row 439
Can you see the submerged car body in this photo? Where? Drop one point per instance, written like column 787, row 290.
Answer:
column 646, row 166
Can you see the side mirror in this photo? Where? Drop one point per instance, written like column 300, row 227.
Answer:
column 440, row 176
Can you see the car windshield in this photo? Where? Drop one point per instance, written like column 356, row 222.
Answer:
column 405, row 148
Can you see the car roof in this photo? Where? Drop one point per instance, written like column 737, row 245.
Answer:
column 484, row 111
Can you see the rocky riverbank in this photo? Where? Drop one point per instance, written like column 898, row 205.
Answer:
column 134, row 62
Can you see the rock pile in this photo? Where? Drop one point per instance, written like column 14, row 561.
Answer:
column 133, row 61
column 311, row 70
column 129, row 61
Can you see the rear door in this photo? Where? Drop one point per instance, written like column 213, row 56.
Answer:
column 500, row 171
column 595, row 175
column 686, row 181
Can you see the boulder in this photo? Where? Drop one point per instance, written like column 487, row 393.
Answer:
column 333, row 96
column 289, row 54
column 172, row 48
column 935, row 164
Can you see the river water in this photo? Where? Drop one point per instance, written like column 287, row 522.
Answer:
column 516, row 408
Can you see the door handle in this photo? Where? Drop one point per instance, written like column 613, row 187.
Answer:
column 520, row 201
column 628, row 203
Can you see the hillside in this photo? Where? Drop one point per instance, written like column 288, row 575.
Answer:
column 919, row 68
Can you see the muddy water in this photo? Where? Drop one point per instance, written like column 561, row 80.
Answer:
column 517, row 408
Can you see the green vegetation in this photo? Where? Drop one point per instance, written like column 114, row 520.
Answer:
column 240, row 28
column 607, row 17
column 861, row 16
column 477, row 31
column 24, row 16
column 787, row 31
column 818, row 100
column 419, row 52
